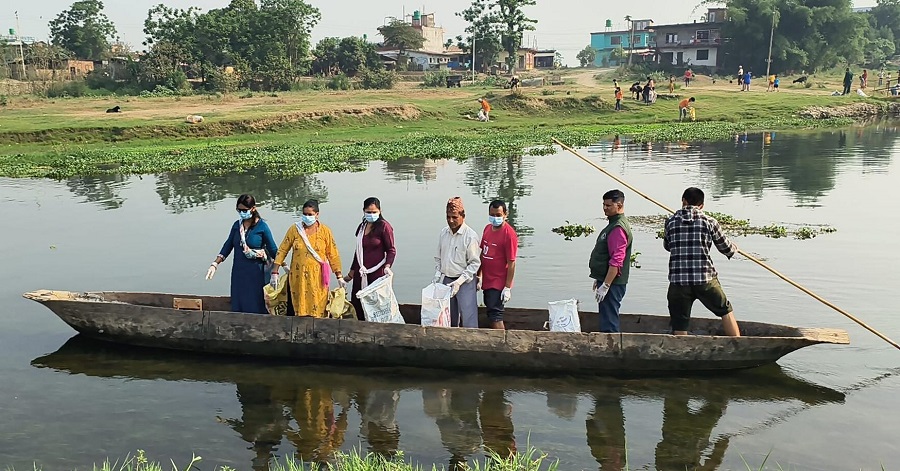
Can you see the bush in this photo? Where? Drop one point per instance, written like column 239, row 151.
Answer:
column 217, row 80
column 99, row 79
column 435, row 79
column 377, row 79
column 74, row 88
column 339, row 82
column 159, row 91
column 4, row 100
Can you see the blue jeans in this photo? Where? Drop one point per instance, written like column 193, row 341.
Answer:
column 609, row 309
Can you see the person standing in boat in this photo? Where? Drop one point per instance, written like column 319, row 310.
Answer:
column 375, row 251
column 457, row 262
column 315, row 255
column 610, row 261
column 689, row 235
column 251, row 237
column 499, row 244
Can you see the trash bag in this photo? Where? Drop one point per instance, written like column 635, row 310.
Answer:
column 564, row 316
column 436, row 305
column 379, row 303
column 338, row 306
column 277, row 297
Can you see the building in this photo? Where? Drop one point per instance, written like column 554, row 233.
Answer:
column 524, row 59
column 635, row 40
column 694, row 44
column 434, row 35
column 545, row 58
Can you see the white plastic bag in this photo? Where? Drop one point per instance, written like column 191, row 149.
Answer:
column 436, row 305
column 564, row 316
column 379, row 303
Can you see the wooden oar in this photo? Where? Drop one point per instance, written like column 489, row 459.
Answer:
column 745, row 254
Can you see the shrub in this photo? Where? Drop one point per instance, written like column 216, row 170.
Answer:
column 377, row 79
column 99, row 79
column 339, row 82
column 74, row 88
column 435, row 79
column 4, row 100
column 217, row 80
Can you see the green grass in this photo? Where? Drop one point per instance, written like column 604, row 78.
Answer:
column 307, row 132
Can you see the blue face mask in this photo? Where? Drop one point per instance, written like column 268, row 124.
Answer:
column 244, row 215
column 496, row 221
column 372, row 217
column 307, row 220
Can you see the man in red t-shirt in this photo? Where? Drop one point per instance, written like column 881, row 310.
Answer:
column 499, row 245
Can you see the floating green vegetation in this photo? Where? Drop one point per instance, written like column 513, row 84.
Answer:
column 67, row 160
column 570, row 230
column 738, row 227
column 634, row 260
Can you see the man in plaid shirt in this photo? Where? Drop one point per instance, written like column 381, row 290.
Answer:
column 689, row 234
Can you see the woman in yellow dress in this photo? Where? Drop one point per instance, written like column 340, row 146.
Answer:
column 315, row 257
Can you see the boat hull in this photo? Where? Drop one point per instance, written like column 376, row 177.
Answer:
column 141, row 319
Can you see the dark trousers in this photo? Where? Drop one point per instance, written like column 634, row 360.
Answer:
column 609, row 309
column 847, row 88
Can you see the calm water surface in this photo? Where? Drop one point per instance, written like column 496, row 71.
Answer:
column 66, row 402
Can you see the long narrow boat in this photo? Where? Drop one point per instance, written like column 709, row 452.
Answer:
column 644, row 347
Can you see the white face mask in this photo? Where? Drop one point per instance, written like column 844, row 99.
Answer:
column 372, row 217
column 308, row 220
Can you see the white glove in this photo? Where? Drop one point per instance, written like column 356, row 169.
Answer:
column 212, row 271
column 388, row 272
column 437, row 277
column 456, row 285
column 478, row 284
column 342, row 283
column 506, row 295
column 600, row 292
column 274, row 281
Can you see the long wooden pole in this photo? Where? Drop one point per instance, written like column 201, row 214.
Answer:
column 745, row 254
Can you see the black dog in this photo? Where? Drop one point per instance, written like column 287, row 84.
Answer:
column 800, row 80
column 114, row 109
column 636, row 90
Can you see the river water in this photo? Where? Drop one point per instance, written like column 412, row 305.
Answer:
column 66, row 402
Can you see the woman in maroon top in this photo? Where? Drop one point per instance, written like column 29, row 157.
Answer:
column 375, row 251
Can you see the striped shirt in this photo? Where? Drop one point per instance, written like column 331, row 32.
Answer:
column 689, row 234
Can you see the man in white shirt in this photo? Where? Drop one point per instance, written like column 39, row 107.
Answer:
column 456, row 264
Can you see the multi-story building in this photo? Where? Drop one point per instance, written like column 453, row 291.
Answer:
column 690, row 44
column 634, row 40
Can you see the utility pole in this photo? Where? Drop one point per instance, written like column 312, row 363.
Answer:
column 21, row 51
column 473, row 58
column 771, row 37
column 631, row 41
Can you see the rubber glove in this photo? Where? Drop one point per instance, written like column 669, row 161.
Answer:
column 274, row 281
column 388, row 272
column 437, row 277
column 601, row 291
column 456, row 285
column 212, row 270
column 478, row 284
column 506, row 295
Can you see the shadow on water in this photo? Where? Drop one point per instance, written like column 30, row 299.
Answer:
column 310, row 406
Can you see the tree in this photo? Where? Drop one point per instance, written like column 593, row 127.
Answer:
column 484, row 31
column 83, row 29
column 515, row 23
column 809, row 34
column 886, row 14
column 587, row 56
column 401, row 35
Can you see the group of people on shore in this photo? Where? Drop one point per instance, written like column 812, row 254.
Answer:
column 468, row 262
column 464, row 260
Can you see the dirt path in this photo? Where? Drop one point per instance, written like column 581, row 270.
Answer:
column 586, row 78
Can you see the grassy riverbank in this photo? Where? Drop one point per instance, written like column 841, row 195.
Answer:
column 303, row 132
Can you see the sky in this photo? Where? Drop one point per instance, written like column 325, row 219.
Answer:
column 564, row 25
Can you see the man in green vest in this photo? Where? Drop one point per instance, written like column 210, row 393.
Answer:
column 610, row 261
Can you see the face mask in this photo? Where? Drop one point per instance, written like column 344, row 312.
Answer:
column 244, row 215
column 372, row 217
column 308, row 220
column 496, row 221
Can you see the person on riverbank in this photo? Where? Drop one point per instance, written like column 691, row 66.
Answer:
column 776, row 83
column 771, row 83
column 671, row 84
column 689, row 235
column 864, row 79
column 251, row 237
column 848, row 81
column 740, row 77
column 688, row 75
column 610, row 260
column 484, row 114
column 881, row 78
column 375, row 251
column 315, row 256
column 499, row 245
column 684, row 108
column 619, row 97
column 456, row 264
column 747, row 77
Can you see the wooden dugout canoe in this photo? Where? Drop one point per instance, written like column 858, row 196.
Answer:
column 150, row 320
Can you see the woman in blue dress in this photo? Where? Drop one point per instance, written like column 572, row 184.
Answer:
column 254, row 249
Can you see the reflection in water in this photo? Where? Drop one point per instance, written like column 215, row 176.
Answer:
column 420, row 170
column 505, row 179
column 180, row 191
column 309, row 406
column 103, row 190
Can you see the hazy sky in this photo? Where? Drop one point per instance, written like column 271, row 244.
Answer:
column 562, row 24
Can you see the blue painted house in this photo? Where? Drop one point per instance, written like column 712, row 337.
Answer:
column 607, row 41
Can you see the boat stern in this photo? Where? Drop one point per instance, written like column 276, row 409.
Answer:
column 821, row 335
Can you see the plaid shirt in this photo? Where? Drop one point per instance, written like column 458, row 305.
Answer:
column 689, row 235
